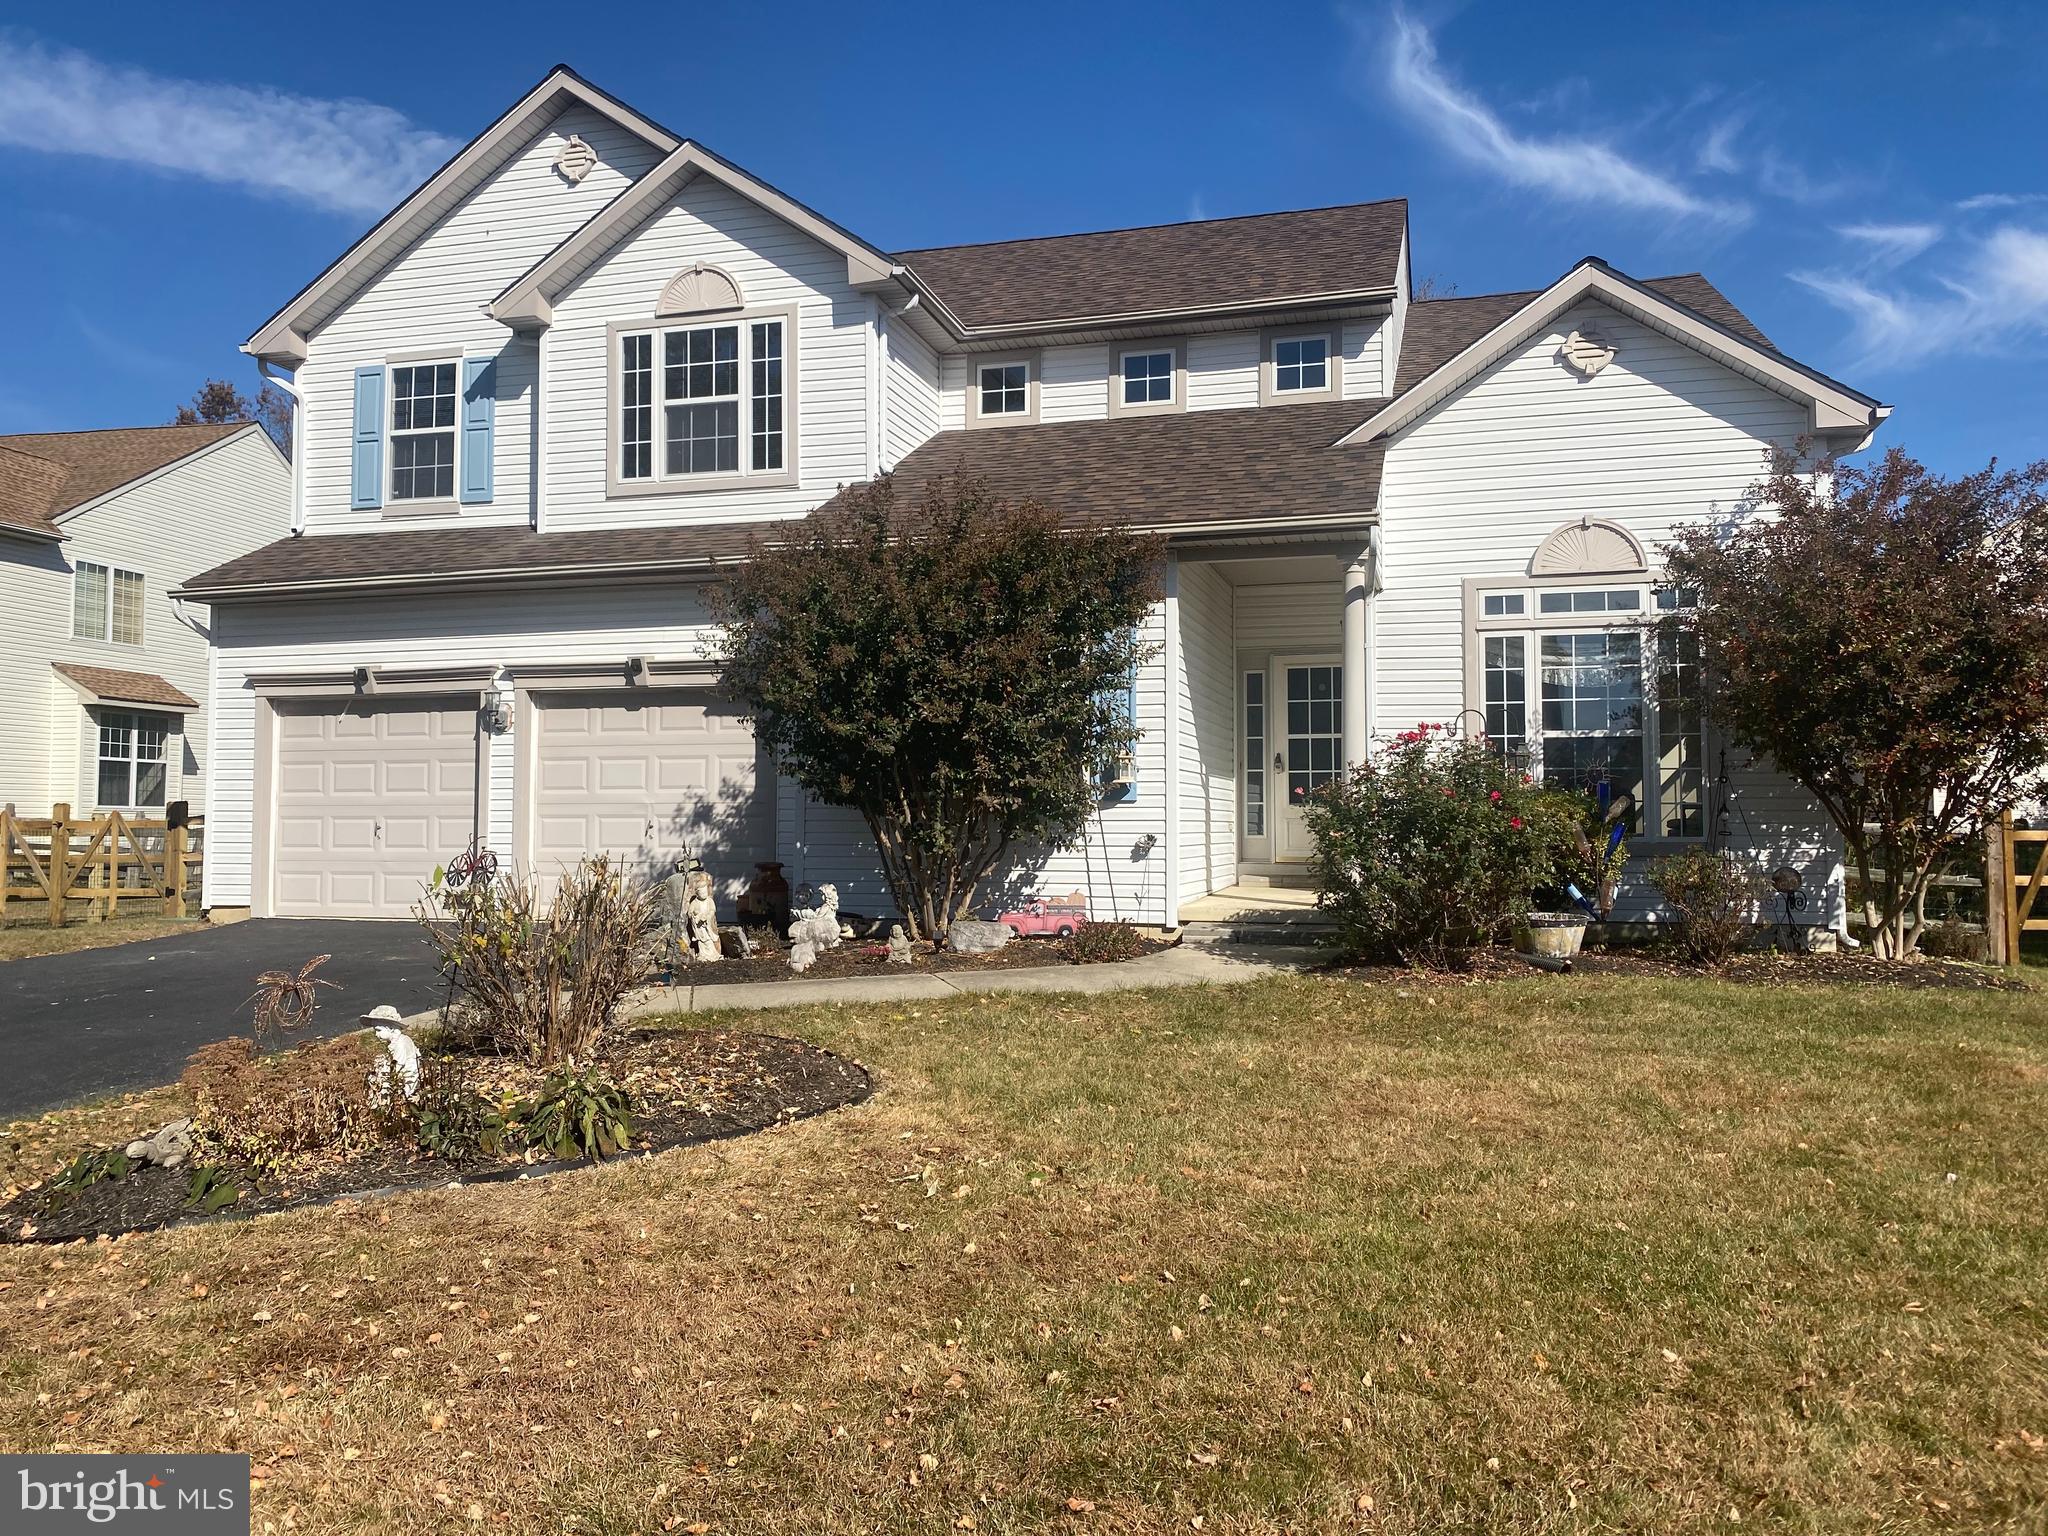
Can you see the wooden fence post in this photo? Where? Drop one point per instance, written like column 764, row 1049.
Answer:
column 60, row 860
column 174, row 870
column 2001, row 944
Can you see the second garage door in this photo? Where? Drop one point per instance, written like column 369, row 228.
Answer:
column 370, row 798
column 647, row 776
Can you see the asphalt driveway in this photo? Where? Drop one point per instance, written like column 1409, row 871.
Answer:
column 100, row 1021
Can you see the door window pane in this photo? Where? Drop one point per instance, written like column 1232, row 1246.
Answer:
column 1255, row 754
column 1314, row 728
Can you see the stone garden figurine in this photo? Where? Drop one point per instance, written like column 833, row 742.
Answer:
column 900, row 952
column 813, row 928
column 700, row 914
column 673, row 911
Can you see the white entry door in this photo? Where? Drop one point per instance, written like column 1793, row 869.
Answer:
column 648, row 776
column 1308, row 740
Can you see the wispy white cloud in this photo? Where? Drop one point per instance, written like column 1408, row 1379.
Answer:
column 1994, row 301
column 1987, row 200
column 1786, row 178
column 1891, row 245
column 1717, row 149
column 1570, row 169
column 342, row 155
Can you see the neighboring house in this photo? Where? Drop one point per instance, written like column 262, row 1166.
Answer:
column 551, row 395
column 105, row 688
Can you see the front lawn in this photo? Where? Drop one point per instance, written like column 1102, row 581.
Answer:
column 21, row 941
column 1552, row 1254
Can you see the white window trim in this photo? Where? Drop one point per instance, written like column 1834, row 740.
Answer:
column 106, row 634
column 1532, row 624
column 662, row 483
column 1270, row 392
column 134, row 717
column 976, row 362
column 413, row 506
column 1121, row 353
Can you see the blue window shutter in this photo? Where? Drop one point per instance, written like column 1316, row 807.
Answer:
column 366, row 478
column 479, row 416
column 1124, row 699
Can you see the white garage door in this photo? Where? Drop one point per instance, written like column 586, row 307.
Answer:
column 646, row 776
column 369, row 799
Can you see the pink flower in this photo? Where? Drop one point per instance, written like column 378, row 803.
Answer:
column 1494, row 796
column 1515, row 822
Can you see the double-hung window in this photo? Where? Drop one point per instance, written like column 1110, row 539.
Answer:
column 106, row 604
column 697, row 403
column 133, row 760
column 1575, row 686
column 423, row 431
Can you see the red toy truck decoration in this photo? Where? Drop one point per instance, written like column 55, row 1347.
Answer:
column 1058, row 917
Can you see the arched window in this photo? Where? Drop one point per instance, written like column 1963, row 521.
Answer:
column 1588, row 547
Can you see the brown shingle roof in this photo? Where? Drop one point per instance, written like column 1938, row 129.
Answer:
column 119, row 687
column 1254, row 464
column 445, row 554
column 1259, row 259
column 1439, row 329
column 44, row 474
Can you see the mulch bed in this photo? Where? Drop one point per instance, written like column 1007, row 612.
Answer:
column 1846, row 969
column 870, row 957
column 686, row 1086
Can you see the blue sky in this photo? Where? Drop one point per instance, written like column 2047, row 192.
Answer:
column 1866, row 180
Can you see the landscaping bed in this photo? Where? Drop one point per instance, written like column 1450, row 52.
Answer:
column 870, row 957
column 1759, row 969
column 685, row 1087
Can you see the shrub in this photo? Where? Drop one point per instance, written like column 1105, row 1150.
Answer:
column 209, row 1189
column 452, row 1118
column 544, row 982
column 1430, row 849
column 90, row 1168
column 317, row 1096
column 1714, row 897
column 1093, row 942
column 577, row 1114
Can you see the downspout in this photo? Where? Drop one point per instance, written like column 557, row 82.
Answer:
column 291, row 388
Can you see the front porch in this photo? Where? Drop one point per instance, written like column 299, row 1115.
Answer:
column 1269, row 650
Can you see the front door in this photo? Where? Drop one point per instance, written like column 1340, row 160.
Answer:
column 1310, row 749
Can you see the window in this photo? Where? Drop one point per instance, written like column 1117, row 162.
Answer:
column 1612, row 699
column 423, row 432
column 1301, row 363
column 1006, row 389
column 133, row 765
column 106, row 604
column 1315, row 700
column 717, row 388
column 1255, row 754
column 1148, row 378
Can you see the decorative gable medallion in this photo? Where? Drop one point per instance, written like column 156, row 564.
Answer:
column 1586, row 352
column 1588, row 546
column 575, row 160
column 700, row 290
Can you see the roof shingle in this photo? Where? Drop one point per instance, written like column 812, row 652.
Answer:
column 45, row 474
column 120, row 687
column 1262, row 258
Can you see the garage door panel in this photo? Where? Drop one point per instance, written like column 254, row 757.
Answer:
column 647, row 779
column 370, row 799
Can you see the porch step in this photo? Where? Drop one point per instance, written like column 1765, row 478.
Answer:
column 1285, row 927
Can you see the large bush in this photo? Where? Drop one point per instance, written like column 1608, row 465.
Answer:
column 953, row 669
column 543, row 979
column 1430, row 849
column 1715, row 898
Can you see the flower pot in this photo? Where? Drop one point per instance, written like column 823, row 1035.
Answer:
column 1557, row 934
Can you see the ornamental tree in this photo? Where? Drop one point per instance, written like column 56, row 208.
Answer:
column 955, row 670
column 1882, row 637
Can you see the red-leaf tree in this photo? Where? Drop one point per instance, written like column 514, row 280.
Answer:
column 954, row 670
column 1880, row 633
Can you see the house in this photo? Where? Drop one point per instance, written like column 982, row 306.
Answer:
column 106, row 685
column 549, row 397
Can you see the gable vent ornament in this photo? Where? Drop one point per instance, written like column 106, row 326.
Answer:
column 1587, row 352
column 575, row 160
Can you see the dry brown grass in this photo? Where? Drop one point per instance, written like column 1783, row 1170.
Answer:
column 21, row 941
column 1530, row 1256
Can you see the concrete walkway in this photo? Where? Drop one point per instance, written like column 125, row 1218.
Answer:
column 1185, row 965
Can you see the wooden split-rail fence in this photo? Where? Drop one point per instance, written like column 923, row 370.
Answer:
column 90, row 868
column 2016, row 888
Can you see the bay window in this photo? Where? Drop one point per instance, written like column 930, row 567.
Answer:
column 1575, row 686
column 703, row 406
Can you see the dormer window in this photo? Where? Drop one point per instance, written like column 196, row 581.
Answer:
column 1148, row 378
column 703, row 406
column 1003, row 391
column 1300, row 365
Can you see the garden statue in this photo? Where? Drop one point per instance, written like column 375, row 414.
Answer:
column 700, row 916
column 812, row 928
column 900, row 952
column 673, row 908
column 398, row 1066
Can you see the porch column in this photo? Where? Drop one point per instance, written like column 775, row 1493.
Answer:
column 1359, row 583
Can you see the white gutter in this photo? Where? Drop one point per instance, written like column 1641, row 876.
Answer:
column 291, row 388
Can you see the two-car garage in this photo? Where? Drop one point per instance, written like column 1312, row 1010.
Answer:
column 371, row 794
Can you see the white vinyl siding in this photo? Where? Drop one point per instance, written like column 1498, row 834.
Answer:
column 1208, row 734
column 1662, row 436
column 911, row 386
column 431, row 299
